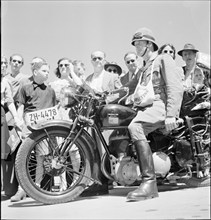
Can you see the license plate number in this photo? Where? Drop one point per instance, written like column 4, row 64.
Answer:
column 42, row 116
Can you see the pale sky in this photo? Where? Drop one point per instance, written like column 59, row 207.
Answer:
column 74, row 29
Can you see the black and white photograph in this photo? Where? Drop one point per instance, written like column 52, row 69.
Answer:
column 105, row 109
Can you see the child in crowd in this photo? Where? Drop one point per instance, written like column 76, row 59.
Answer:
column 34, row 95
column 198, row 78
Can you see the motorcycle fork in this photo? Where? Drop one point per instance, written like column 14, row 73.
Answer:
column 66, row 148
column 102, row 139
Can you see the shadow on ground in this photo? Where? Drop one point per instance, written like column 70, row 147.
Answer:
column 116, row 191
column 124, row 190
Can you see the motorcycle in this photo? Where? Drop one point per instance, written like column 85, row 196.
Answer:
column 60, row 159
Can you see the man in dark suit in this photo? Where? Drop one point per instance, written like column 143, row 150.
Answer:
column 131, row 61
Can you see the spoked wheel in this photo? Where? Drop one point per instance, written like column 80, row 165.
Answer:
column 46, row 174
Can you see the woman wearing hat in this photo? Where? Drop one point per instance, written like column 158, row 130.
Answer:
column 168, row 91
column 189, row 54
column 112, row 67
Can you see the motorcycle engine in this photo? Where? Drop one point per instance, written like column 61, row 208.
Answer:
column 127, row 171
column 184, row 154
column 118, row 142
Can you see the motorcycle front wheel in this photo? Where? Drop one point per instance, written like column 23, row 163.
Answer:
column 46, row 174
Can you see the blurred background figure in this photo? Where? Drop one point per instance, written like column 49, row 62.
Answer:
column 131, row 61
column 100, row 80
column 16, row 76
column 189, row 55
column 4, row 66
column 116, row 70
column 62, row 71
column 9, row 183
column 168, row 49
column 79, row 69
column 113, row 67
column 198, row 77
column 203, row 61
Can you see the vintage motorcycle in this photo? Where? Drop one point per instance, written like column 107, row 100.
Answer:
column 60, row 159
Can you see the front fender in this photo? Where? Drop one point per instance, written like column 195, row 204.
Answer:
column 46, row 124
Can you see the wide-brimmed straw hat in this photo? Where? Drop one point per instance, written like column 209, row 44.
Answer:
column 113, row 64
column 144, row 34
column 188, row 47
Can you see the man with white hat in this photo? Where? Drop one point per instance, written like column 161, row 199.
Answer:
column 168, row 91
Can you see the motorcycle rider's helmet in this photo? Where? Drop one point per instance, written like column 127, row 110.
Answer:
column 162, row 163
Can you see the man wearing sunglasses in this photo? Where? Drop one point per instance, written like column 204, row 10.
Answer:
column 101, row 80
column 168, row 89
column 15, row 76
column 131, row 61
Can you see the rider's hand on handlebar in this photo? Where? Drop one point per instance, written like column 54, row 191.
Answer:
column 170, row 123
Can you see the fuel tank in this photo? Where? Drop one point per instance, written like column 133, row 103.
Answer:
column 114, row 115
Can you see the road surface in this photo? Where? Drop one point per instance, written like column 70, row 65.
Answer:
column 174, row 202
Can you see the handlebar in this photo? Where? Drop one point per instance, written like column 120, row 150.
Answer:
column 126, row 95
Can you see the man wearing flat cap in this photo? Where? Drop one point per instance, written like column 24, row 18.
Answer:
column 168, row 91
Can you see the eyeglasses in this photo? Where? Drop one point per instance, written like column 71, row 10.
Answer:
column 168, row 51
column 97, row 58
column 14, row 61
column 66, row 65
column 112, row 70
column 132, row 61
column 2, row 62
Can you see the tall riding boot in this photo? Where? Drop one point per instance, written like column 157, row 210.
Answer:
column 148, row 188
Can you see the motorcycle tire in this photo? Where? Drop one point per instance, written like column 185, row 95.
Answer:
column 25, row 166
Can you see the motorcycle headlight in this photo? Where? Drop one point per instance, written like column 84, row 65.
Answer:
column 67, row 97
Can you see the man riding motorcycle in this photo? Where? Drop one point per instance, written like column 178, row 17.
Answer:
column 165, row 109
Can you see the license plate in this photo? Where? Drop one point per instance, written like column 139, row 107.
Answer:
column 43, row 115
